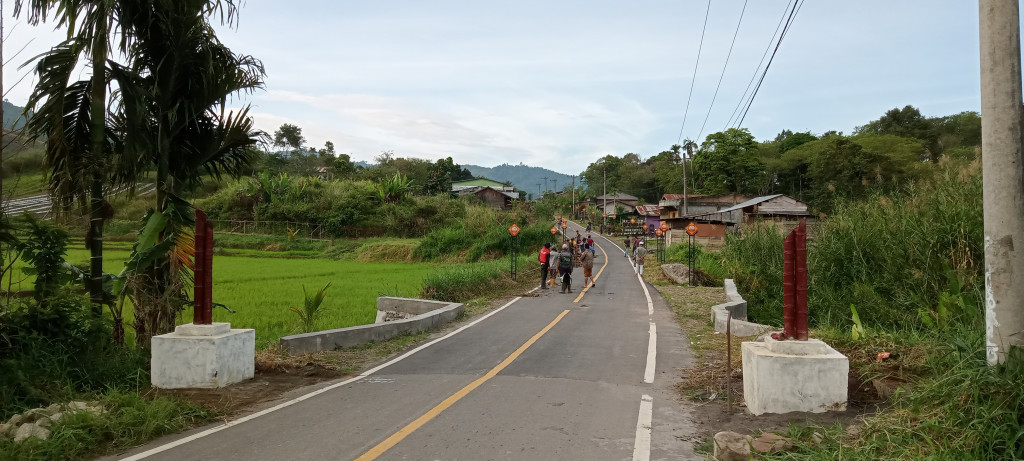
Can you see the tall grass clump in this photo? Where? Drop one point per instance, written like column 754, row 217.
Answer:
column 482, row 234
column 755, row 261
column 898, row 258
column 462, row 282
column 913, row 259
column 708, row 265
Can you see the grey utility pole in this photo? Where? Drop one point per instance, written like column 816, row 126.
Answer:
column 686, row 202
column 1002, row 163
column 604, row 210
column 573, row 206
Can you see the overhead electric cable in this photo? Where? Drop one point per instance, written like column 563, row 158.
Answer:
column 694, row 79
column 792, row 15
column 757, row 70
column 724, row 67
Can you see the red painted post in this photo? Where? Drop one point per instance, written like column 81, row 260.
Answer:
column 199, row 280
column 208, row 253
column 789, row 286
column 801, row 280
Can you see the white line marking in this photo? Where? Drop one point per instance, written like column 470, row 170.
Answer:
column 652, row 353
column 652, row 340
column 642, row 443
column 369, row 372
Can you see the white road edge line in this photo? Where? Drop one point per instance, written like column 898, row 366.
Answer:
column 652, row 353
column 652, row 340
column 642, row 443
column 369, row 372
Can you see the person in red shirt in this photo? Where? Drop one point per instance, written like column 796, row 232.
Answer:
column 545, row 253
column 590, row 242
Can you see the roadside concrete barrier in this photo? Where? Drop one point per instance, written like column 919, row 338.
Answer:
column 424, row 315
column 735, row 304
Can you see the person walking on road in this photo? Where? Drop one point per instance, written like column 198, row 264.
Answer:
column 545, row 253
column 553, row 267
column 588, row 266
column 565, row 263
column 625, row 247
column 641, row 254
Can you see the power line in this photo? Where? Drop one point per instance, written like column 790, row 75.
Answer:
column 694, row 79
column 743, row 98
column 724, row 67
column 792, row 15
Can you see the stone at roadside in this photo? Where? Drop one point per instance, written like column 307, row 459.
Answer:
column 677, row 273
column 56, row 417
column 31, row 430
column 770, row 442
column 817, row 438
column 5, row 431
column 54, row 408
column 15, row 420
column 35, row 414
column 852, row 431
column 883, row 389
column 730, row 446
column 44, row 422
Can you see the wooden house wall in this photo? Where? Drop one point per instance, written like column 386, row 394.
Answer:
column 495, row 199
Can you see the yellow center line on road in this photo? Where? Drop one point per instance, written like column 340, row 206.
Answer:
column 584, row 290
column 378, row 450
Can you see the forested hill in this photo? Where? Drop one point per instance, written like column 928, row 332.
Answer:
column 524, row 177
column 12, row 116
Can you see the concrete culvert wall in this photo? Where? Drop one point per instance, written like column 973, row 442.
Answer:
column 426, row 315
column 735, row 304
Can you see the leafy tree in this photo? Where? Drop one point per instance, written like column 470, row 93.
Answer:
column 289, row 136
column 790, row 140
column 343, row 166
column 727, row 162
column 908, row 123
column 72, row 116
column 174, row 95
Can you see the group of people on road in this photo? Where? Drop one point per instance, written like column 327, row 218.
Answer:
column 639, row 253
column 578, row 252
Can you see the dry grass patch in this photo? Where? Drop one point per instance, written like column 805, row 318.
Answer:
column 707, row 379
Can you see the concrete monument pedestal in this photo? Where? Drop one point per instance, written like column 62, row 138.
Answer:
column 785, row 376
column 203, row 356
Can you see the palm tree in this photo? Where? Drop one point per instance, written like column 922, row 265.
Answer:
column 73, row 117
column 173, row 97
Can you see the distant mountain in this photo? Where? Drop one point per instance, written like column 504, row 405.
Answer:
column 13, row 118
column 524, row 177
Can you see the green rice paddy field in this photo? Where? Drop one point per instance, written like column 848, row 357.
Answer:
column 261, row 290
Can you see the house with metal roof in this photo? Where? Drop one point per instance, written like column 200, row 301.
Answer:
column 608, row 203
column 495, row 197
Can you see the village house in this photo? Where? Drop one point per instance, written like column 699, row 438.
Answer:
column 715, row 217
column 608, row 203
column 495, row 197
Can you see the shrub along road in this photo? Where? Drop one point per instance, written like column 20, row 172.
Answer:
column 552, row 376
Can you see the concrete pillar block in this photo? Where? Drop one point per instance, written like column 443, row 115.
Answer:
column 786, row 376
column 203, row 356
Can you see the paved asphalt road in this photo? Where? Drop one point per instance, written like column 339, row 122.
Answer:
column 544, row 378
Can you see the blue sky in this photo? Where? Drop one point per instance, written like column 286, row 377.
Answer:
column 559, row 84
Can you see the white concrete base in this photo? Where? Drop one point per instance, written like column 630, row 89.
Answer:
column 203, row 356
column 785, row 376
